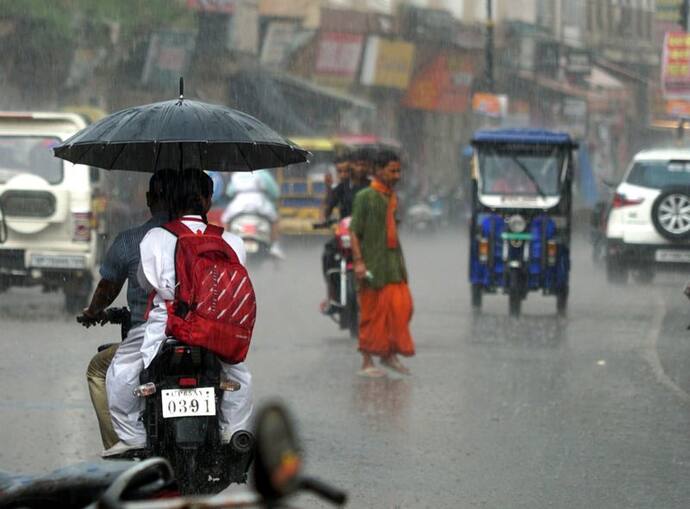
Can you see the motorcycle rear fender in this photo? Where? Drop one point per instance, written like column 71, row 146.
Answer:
column 192, row 432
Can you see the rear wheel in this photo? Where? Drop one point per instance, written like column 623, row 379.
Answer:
column 352, row 306
column 562, row 301
column 671, row 214
column 616, row 271
column 477, row 296
column 514, row 293
column 644, row 276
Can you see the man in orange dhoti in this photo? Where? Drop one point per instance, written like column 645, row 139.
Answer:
column 384, row 297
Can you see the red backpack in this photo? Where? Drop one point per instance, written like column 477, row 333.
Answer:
column 215, row 304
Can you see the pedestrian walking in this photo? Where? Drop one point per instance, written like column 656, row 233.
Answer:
column 384, row 297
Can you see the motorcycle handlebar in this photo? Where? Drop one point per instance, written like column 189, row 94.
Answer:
column 325, row 224
column 116, row 316
column 323, row 490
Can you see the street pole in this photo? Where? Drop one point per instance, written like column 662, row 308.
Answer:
column 489, row 47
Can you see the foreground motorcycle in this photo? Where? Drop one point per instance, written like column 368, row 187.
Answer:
column 151, row 482
column 255, row 231
column 343, row 308
column 182, row 390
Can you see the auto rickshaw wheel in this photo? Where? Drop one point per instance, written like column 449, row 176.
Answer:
column 562, row 301
column 476, row 296
column 515, row 292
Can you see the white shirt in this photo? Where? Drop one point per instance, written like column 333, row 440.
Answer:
column 157, row 273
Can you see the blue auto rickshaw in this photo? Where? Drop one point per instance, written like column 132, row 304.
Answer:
column 520, row 226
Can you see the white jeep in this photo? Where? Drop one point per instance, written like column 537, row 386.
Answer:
column 648, row 224
column 47, row 220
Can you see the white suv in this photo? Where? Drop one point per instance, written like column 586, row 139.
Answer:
column 47, row 224
column 648, row 224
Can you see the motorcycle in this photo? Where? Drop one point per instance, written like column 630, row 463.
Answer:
column 255, row 231
column 344, row 308
column 152, row 483
column 182, row 390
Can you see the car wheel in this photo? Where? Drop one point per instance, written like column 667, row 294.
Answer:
column 616, row 271
column 671, row 214
column 562, row 301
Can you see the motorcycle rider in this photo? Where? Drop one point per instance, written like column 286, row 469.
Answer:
column 190, row 200
column 255, row 192
column 353, row 170
column 119, row 265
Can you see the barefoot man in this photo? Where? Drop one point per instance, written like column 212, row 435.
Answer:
column 384, row 298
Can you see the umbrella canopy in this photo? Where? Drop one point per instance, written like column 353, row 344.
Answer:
column 180, row 134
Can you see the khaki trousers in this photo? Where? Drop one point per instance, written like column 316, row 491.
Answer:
column 95, row 376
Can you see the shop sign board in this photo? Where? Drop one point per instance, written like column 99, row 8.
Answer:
column 675, row 69
column 338, row 54
column 668, row 11
column 387, row 63
column 491, row 105
column 442, row 85
column 277, row 41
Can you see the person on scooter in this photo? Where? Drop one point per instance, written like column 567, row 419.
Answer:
column 189, row 201
column 119, row 265
column 255, row 192
column 353, row 175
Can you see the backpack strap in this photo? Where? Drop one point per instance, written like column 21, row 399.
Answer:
column 176, row 228
column 214, row 230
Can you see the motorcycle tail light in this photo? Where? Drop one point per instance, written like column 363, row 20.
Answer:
column 180, row 350
column 82, row 226
column 551, row 251
column 145, row 390
column 230, row 385
column 186, row 382
column 483, row 250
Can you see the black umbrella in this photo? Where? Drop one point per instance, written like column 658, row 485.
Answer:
column 180, row 134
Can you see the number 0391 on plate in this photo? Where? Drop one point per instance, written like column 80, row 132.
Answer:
column 188, row 402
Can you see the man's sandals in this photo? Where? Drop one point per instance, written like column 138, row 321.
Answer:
column 395, row 366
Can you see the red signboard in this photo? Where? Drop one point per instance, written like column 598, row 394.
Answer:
column 675, row 69
column 442, row 85
column 339, row 54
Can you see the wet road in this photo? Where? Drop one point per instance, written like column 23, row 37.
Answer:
column 586, row 411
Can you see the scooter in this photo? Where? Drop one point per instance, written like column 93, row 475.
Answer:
column 152, row 483
column 182, row 390
column 344, row 307
column 255, row 231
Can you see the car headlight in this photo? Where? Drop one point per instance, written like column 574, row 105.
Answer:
column 517, row 223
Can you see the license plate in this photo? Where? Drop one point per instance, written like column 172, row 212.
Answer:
column 188, row 402
column 251, row 246
column 672, row 256
column 57, row 261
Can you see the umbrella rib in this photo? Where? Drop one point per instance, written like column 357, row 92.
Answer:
column 157, row 147
column 123, row 146
column 246, row 161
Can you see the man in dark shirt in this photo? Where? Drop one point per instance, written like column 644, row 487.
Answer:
column 353, row 171
column 119, row 266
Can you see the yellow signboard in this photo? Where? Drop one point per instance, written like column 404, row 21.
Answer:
column 387, row 63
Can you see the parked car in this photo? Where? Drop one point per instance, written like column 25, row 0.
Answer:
column 648, row 225
column 51, row 208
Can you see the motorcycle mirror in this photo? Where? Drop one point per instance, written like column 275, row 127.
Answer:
column 278, row 461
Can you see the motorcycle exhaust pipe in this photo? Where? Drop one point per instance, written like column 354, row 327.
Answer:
column 242, row 442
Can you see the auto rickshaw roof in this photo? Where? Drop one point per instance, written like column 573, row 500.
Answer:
column 523, row 136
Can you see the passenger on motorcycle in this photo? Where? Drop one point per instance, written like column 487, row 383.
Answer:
column 255, row 192
column 190, row 200
column 119, row 265
column 352, row 170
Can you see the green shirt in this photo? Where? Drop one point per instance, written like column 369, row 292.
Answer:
column 386, row 265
